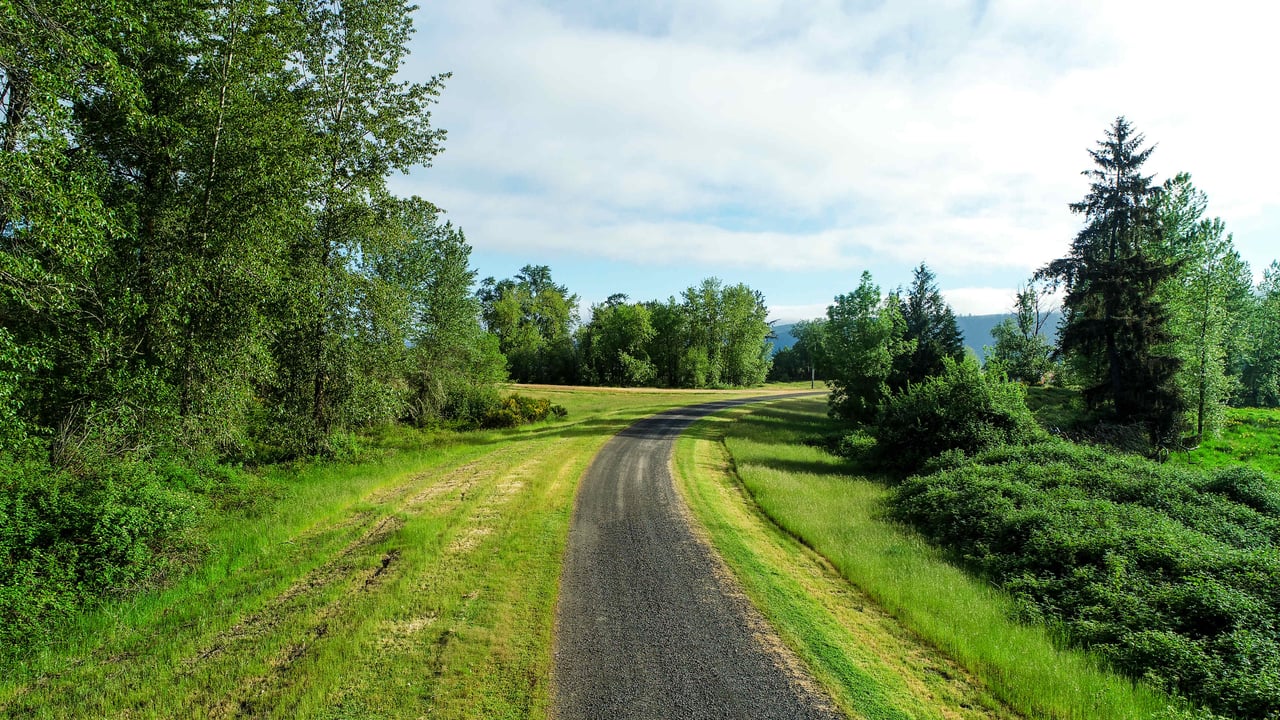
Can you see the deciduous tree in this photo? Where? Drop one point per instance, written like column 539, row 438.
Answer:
column 866, row 335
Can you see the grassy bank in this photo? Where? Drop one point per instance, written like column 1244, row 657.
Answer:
column 812, row 498
column 422, row 583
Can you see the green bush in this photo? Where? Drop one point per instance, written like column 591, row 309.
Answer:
column 515, row 410
column 66, row 540
column 1171, row 575
column 962, row 409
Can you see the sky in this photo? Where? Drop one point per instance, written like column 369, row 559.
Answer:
column 640, row 147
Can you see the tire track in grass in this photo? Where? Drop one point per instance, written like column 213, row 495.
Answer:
column 321, row 600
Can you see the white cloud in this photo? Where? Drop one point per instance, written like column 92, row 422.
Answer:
column 799, row 136
column 979, row 300
column 785, row 314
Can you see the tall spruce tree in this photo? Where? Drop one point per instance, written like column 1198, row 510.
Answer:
column 932, row 325
column 1114, row 326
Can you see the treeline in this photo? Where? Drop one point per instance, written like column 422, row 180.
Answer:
column 199, row 247
column 1169, row 575
column 201, row 266
column 713, row 335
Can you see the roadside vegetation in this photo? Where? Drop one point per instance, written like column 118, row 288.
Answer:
column 889, row 624
column 1128, row 510
column 205, row 281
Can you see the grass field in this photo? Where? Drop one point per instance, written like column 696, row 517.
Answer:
column 1250, row 436
column 422, row 584
column 809, row 545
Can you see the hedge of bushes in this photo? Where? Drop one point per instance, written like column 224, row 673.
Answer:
column 68, row 539
column 962, row 410
column 1171, row 575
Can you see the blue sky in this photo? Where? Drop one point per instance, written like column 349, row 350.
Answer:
column 640, row 147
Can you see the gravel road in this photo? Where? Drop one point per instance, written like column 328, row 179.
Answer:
column 647, row 625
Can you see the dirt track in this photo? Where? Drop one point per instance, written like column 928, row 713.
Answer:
column 648, row 626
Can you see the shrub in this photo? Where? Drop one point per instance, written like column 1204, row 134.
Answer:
column 961, row 409
column 515, row 410
column 67, row 539
column 1169, row 574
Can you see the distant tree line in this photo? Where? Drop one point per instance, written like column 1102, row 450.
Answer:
column 713, row 335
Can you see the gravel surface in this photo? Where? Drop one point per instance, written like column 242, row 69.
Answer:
column 647, row 626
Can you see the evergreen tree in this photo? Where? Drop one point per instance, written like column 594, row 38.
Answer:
column 929, row 322
column 1114, row 327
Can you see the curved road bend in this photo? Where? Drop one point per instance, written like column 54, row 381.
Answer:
column 645, row 627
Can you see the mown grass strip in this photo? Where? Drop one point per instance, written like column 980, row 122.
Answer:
column 810, row 496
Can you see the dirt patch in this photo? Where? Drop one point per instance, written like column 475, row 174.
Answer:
column 390, row 557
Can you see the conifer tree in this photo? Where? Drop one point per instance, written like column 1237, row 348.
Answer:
column 1114, row 327
column 932, row 325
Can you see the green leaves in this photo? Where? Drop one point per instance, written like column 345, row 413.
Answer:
column 1169, row 575
column 1115, row 326
column 866, row 336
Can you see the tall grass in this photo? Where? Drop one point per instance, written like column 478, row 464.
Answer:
column 1250, row 436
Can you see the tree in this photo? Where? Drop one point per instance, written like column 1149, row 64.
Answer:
column 364, row 124
column 451, row 364
column 534, row 319
column 806, row 359
column 612, row 347
column 1260, row 361
column 1206, row 300
column 746, row 355
column 1021, row 350
column 865, row 337
column 1114, row 326
column 929, row 322
column 54, row 225
column 666, row 349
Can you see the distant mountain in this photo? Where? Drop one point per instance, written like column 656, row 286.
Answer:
column 785, row 339
column 976, row 330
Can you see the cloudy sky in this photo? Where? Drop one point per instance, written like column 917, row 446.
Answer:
column 638, row 147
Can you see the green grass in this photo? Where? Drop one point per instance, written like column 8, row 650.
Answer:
column 1055, row 407
column 1250, row 436
column 811, row 497
column 420, row 584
